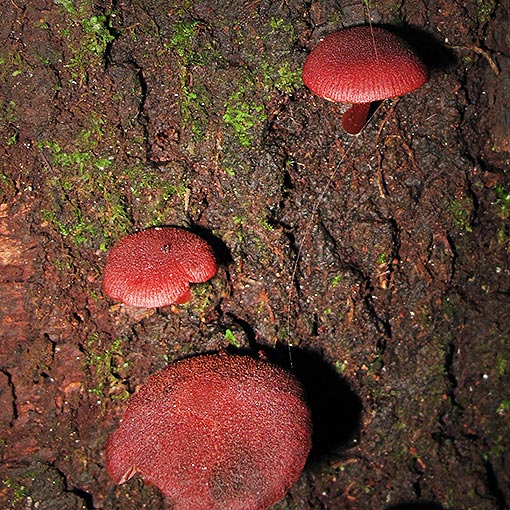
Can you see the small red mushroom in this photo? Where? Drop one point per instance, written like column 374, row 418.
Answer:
column 360, row 65
column 215, row 431
column 154, row 267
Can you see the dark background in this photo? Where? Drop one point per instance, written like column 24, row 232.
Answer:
column 375, row 266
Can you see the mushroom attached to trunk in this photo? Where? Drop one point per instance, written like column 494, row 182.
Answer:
column 154, row 267
column 360, row 65
column 215, row 431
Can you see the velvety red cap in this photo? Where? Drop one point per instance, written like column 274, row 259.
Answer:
column 213, row 432
column 154, row 267
column 361, row 65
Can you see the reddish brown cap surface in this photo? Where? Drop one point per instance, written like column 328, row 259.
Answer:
column 214, row 432
column 361, row 65
column 154, row 267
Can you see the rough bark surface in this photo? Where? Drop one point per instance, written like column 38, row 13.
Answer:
column 377, row 266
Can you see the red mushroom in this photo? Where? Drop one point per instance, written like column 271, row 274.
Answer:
column 154, row 267
column 360, row 65
column 213, row 432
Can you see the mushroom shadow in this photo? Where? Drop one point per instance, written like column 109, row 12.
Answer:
column 223, row 255
column 416, row 506
column 433, row 52
column 336, row 409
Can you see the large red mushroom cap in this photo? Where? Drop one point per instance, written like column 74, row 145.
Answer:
column 154, row 267
column 214, row 432
column 363, row 64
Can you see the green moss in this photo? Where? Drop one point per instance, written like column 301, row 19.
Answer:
column 501, row 363
column 4, row 181
column 244, row 117
column 231, row 339
column 382, row 259
column 459, row 210
column 504, row 407
column 12, row 64
column 92, row 197
column 266, row 74
column 17, row 491
column 67, row 5
column 107, row 366
column 92, row 47
column 201, row 297
column 96, row 210
column 340, row 366
column 283, row 78
column 8, row 127
column 485, row 9
column 265, row 224
column 95, row 34
column 194, row 105
column 184, row 32
column 192, row 52
column 502, row 205
column 278, row 24
column 78, row 229
column 498, row 448
column 335, row 281
column 271, row 71
column 502, row 201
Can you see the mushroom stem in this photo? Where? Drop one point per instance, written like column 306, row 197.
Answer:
column 355, row 118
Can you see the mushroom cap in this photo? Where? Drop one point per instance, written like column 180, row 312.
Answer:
column 363, row 64
column 154, row 267
column 213, row 432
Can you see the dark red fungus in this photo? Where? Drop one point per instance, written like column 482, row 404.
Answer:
column 213, row 432
column 154, row 267
column 360, row 65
